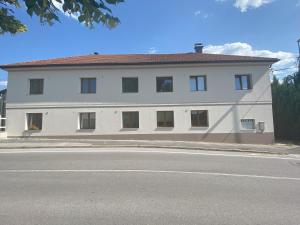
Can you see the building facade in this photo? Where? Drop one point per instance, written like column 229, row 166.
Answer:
column 192, row 96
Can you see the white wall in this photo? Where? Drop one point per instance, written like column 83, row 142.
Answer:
column 62, row 100
column 222, row 119
column 63, row 86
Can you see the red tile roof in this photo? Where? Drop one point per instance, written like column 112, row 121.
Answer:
column 140, row 59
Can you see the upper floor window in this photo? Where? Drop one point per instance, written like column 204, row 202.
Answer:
column 199, row 118
column 34, row 121
column 88, row 85
column 165, row 119
column 130, row 119
column 130, row 85
column 87, row 121
column 164, row 84
column 243, row 82
column 36, row 86
column 198, row 83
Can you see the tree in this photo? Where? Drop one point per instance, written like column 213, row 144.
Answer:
column 286, row 107
column 89, row 12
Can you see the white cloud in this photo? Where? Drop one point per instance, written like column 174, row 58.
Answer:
column 202, row 14
column 244, row 5
column 3, row 83
column 152, row 50
column 205, row 16
column 197, row 13
column 287, row 64
column 58, row 5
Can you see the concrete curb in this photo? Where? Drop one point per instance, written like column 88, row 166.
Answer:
column 278, row 149
column 147, row 146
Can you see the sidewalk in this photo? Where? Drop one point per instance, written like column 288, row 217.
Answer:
column 91, row 143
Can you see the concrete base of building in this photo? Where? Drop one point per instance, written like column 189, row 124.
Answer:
column 243, row 138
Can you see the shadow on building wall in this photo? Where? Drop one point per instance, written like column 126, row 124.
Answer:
column 234, row 135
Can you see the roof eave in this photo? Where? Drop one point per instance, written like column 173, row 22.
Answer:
column 15, row 66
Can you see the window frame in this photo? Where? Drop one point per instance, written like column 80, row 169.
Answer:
column 89, row 89
column 130, row 92
column 248, row 129
column 30, row 87
column 197, row 83
column 207, row 118
column 89, row 121
column 164, row 77
column 138, row 119
column 28, row 127
column 240, row 79
column 165, row 111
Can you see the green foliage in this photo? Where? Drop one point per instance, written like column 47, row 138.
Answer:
column 286, row 107
column 88, row 12
column 9, row 23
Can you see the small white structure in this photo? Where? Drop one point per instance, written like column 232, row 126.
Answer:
column 189, row 96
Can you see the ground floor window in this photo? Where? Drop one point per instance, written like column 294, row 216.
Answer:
column 87, row 121
column 199, row 118
column 34, row 121
column 248, row 124
column 130, row 119
column 165, row 119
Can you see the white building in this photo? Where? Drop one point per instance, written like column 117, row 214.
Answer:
column 191, row 96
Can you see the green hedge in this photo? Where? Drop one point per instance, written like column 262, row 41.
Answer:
column 286, row 108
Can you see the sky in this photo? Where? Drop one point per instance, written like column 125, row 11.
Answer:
column 267, row 28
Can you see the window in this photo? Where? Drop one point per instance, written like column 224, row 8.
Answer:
column 36, row 86
column 248, row 124
column 164, row 84
column 130, row 85
column 88, row 85
column 87, row 121
column 243, row 82
column 199, row 118
column 198, row 83
column 130, row 119
column 34, row 121
column 165, row 119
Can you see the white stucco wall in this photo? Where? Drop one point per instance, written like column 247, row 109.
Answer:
column 62, row 100
column 64, row 121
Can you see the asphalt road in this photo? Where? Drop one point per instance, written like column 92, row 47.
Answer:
column 143, row 187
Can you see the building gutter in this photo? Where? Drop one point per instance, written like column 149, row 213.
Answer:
column 14, row 66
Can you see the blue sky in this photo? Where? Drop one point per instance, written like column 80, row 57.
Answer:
column 245, row 27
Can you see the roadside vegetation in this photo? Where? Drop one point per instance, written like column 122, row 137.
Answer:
column 286, row 108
